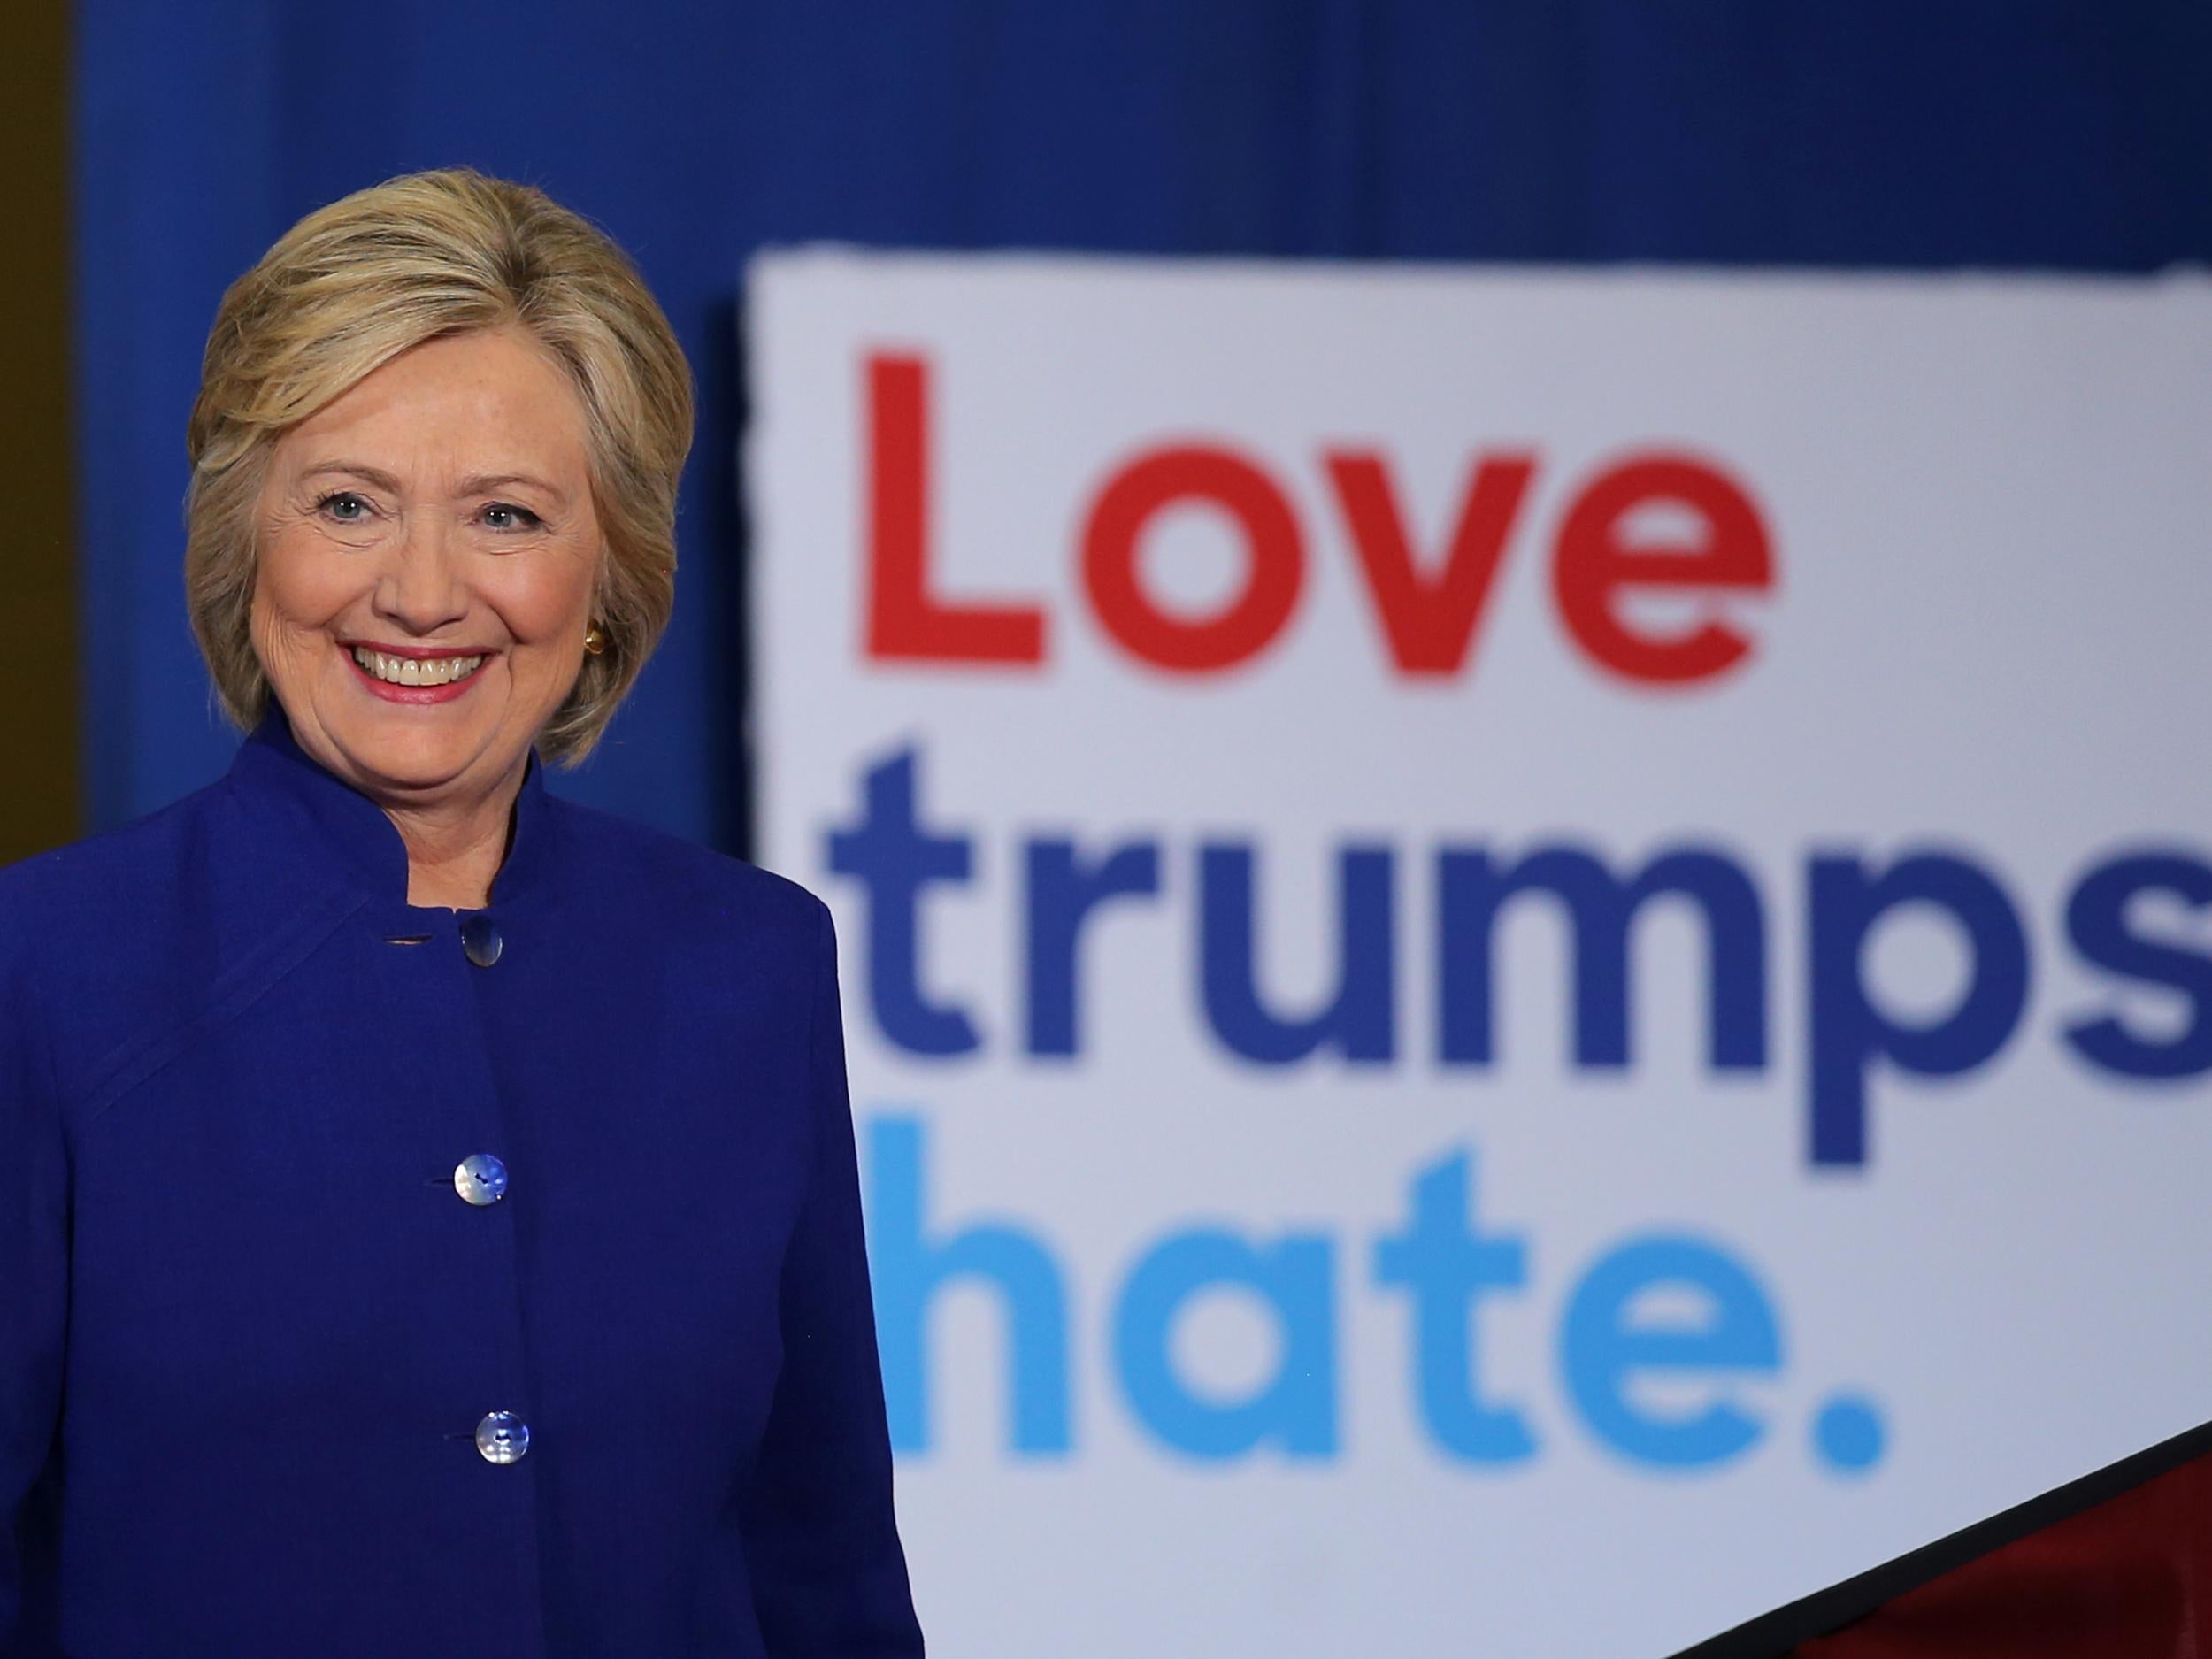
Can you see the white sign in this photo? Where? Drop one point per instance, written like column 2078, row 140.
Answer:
column 1528, row 956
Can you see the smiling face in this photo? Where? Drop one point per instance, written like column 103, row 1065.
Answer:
column 427, row 558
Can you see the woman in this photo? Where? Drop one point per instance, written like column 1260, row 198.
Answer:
column 428, row 1216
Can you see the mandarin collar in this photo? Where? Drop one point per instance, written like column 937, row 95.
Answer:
column 270, row 763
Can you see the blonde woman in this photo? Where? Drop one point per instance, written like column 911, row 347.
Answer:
column 428, row 1217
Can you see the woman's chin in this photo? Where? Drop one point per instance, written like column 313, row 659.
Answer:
column 414, row 757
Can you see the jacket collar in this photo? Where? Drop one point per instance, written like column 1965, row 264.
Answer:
column 271, row 767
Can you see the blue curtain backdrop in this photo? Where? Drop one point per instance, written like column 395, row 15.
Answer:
column 1863, row 133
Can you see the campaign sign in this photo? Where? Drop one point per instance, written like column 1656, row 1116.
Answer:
column 1528, row 956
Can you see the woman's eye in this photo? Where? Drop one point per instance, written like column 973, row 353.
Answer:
column 345, row 507
column 502, row 515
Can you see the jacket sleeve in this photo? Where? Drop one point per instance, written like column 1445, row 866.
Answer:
column 33, row 1268
column 828, row 1575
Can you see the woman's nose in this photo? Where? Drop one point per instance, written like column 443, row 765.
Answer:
column 420, row 586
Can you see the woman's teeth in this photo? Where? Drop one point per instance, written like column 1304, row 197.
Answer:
column 416, row 670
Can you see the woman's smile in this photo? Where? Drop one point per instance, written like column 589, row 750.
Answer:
column 413, row 675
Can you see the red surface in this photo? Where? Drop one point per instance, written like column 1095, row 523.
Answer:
column 2128, row 1579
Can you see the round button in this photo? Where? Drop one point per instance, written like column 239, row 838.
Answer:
column 503, row 1438
column 480, row 1178
column 479, row 938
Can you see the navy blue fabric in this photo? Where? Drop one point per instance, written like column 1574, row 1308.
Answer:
column 1991, row 133
column 251, row 1326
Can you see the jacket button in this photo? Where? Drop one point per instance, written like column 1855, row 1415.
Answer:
column 479, row 938
column 480, row 1178
column 503, row 1438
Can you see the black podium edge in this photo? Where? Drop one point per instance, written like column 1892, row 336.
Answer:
column 1825, row 1611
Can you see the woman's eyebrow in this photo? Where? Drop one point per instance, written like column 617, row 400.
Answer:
column 372, row 475
column 483, row 481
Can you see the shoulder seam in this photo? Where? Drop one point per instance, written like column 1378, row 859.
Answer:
column 234, row 993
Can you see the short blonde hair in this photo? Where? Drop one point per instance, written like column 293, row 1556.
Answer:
column 355, row 284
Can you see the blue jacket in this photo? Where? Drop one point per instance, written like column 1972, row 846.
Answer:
column 257, row 1324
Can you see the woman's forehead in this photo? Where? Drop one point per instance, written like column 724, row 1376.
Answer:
column 487, row 405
